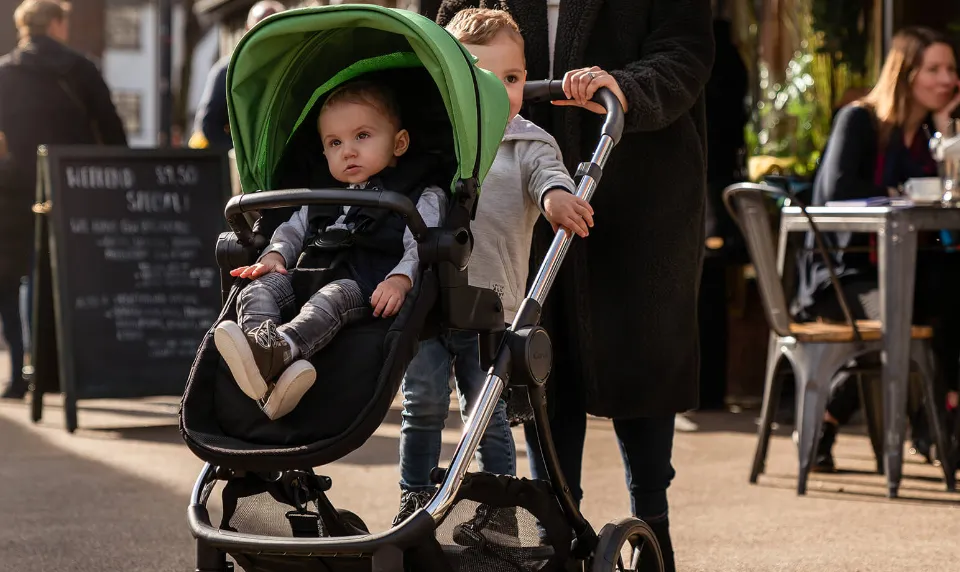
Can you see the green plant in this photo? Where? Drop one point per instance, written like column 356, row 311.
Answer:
column 787, row 121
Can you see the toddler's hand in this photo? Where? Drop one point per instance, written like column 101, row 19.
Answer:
column 573, row 214
column 272, row 262
column 953, row 400
column 389, row 295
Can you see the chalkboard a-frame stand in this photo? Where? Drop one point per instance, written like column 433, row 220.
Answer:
column 125, row 280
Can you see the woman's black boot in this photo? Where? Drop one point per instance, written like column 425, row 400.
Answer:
column 661, row 530
column 823, row 462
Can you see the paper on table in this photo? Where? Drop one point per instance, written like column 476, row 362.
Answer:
column 867, row 202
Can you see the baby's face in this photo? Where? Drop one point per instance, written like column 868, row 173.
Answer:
column 503, row 57
column 359, row 141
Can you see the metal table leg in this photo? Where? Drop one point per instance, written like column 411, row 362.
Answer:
column 897, row 257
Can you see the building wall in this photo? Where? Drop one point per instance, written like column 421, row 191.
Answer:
column 232, row 22
column 131, row 73
column 131, row 67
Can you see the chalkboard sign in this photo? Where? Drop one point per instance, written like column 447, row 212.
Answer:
column 130, row 244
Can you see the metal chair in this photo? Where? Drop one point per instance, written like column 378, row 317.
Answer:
column 817, row 351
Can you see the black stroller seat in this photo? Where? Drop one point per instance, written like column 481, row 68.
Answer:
column 358, row 375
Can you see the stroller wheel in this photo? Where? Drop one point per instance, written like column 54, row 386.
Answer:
column 351, row 520
column 627, row 545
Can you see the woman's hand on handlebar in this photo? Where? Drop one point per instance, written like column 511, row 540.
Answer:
column 271, row 262
column 579, row 86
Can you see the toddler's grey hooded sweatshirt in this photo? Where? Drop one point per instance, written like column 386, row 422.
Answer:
column 528, row 164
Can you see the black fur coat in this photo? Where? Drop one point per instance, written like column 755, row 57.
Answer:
column 623, row 311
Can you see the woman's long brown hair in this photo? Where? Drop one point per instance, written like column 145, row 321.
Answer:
column 890, row 99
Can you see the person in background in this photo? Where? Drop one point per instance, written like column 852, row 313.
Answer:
column 877, row 143
column 211, row 127
column 622, row 313
column 49, row 95
column 726, row 120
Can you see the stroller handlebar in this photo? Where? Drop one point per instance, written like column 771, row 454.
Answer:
column 238, row 205
column 539, row 91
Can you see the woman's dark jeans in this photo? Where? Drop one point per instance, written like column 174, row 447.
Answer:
column 935, row 304
column 646, row 445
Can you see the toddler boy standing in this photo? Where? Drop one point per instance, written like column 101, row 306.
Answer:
column 527, row 177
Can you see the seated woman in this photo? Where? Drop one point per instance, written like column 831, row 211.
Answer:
column 878, row 143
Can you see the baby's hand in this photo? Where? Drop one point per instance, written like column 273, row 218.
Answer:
column 573, row 214
column 389, row 295
column 272, row 262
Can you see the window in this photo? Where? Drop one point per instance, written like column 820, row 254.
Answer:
column 123, row 27
column 129, row 109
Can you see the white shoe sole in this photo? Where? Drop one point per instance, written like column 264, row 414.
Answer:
column 290, row 389
column 235, row 350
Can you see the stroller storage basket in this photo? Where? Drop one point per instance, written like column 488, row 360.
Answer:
column 510, row 523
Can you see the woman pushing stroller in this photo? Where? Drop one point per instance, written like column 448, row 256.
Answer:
column 462, row 112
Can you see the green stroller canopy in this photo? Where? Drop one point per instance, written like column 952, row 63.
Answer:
column 285, row 64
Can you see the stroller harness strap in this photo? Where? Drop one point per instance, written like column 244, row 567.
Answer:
column 369, row 241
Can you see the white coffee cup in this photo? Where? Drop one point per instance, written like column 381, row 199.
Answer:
column 924, row 189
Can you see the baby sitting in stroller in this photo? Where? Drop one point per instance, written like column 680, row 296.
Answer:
column 360, row 261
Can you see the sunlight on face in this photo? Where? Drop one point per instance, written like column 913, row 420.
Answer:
column 503, row 57
column 935, row 83
column 359, row 141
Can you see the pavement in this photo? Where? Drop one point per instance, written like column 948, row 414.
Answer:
column 113, row 495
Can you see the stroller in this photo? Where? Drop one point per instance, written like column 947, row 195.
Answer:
column 276, row 515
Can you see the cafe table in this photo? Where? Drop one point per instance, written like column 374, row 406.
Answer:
column 896, row 226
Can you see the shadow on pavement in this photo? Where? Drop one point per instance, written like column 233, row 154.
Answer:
column 380, row 450
column 63, row 512
column 874, row 490
column 153, row 433
column 747, row 422
column 152, row 410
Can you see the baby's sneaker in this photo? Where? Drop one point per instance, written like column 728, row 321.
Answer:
column 411, row 502
column 255, row 357
column 289, row 389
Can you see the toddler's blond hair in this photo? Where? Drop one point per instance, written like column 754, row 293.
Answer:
column 479, row 26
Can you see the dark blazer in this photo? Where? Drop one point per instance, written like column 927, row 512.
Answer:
column 848, row 171
column 623, row 311
column 49, row 94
